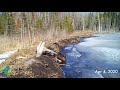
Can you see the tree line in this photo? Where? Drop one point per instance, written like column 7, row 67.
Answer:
column 29, row 23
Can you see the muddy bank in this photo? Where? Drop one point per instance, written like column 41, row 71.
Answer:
column 46, row 66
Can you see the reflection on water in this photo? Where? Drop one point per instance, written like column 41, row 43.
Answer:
column 101, row 53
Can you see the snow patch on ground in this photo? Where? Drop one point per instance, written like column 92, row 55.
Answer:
column 6, row 55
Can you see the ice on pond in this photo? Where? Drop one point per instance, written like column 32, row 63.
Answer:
column 96, row 53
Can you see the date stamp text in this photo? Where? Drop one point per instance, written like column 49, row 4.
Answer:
column 106, row 71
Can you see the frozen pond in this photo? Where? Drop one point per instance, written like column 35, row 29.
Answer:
column 95, row 57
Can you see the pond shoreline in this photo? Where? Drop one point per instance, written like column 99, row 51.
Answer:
column 46, row 66
column 57, row 46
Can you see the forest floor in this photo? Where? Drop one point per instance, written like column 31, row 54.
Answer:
column 24, row 64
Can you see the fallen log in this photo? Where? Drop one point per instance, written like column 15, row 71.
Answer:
column 41, row 48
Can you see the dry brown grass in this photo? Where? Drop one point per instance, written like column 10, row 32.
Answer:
column 7, row 44
column 28, row 49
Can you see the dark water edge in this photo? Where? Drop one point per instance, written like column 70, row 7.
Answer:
column 80, row 64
